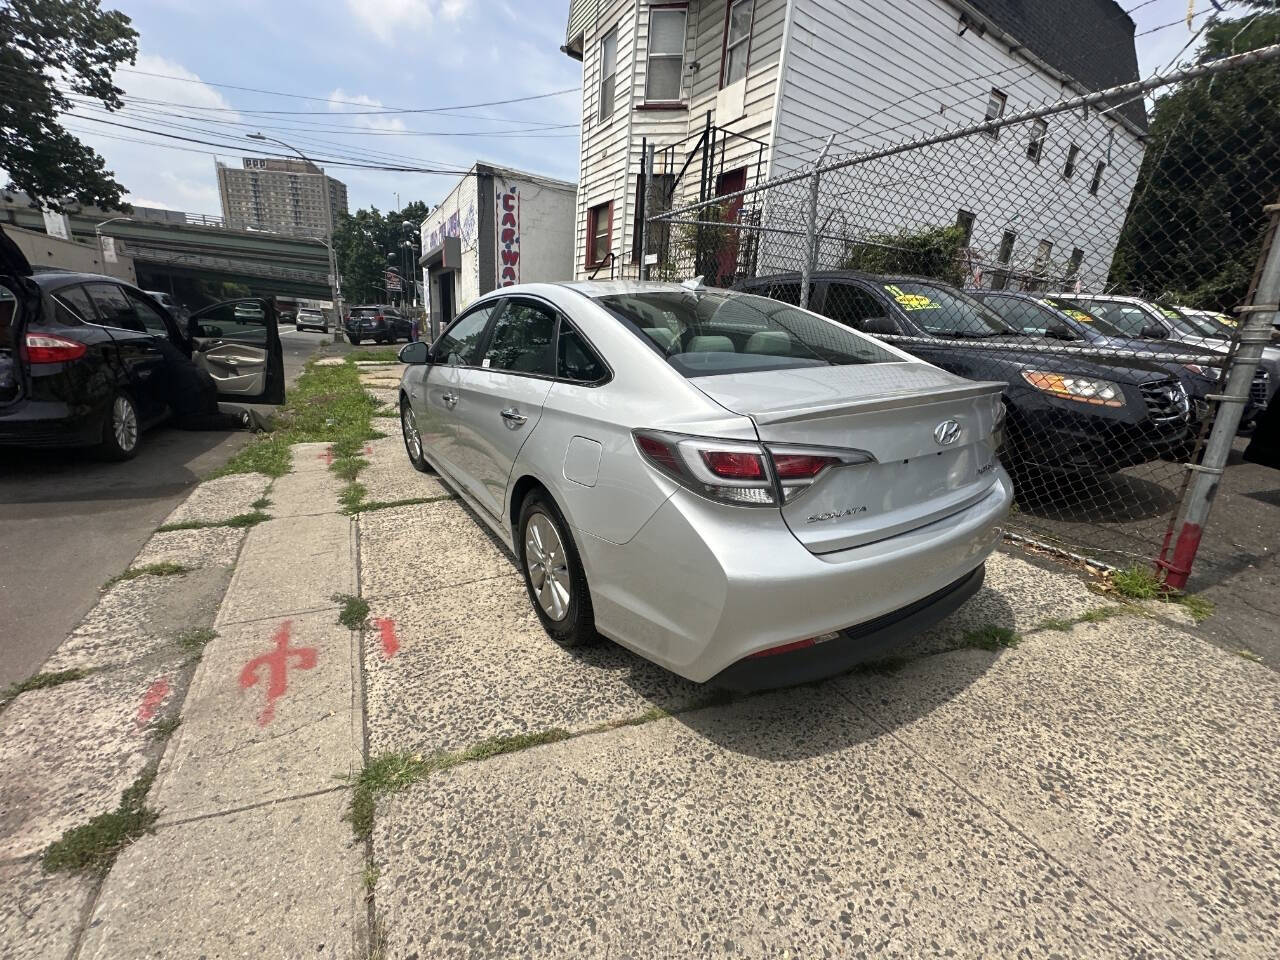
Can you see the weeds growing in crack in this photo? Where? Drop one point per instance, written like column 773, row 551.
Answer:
column 240, row 521
column 165, row 568
column 991, row 638
column 42, row 681
column 354, row 612
column 194, row 641
column 163, row 728
column 363, row 506
column 93, row 847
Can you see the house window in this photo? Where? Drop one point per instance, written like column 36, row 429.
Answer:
column 1069, row 170
column 737, row 40
column 1097, row 177
column 1035, row 146
column 599, row 233
column 1001, row 277
column 608, row 72
column 996, row 103
column 665, row 64
column 964, row 223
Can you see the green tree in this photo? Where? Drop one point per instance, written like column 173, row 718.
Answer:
column 48, row 49
column 1195, row 223
column 362, row 241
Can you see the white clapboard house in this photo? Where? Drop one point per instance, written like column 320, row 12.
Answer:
column 733, row 92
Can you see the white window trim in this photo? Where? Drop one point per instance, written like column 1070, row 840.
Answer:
column 724, row 61
column 648, row 56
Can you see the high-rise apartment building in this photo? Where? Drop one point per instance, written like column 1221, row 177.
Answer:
column 279, row 196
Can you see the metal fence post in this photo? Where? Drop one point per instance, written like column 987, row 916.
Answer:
column 646, row 163
column 1206, row 478
column 811, row 227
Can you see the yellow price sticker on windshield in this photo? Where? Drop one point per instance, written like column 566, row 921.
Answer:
column 1227, row 321
column 1171, row 314
column 910, row 301
column 1079, row 315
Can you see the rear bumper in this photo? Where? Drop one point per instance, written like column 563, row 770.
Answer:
column 703, row 586
column 42, row 423
column 852, row 646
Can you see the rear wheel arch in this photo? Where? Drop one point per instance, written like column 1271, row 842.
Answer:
column 519, row 492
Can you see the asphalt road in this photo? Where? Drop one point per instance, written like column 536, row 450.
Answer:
column 71, row 523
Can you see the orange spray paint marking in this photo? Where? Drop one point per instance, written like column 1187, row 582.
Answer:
column 276, row 664
column 387, row 631
column 151, row 701
column 327, row 456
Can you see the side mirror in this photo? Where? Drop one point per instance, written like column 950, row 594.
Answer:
column 417, row 352
column 880, row 325
column 1153, row 331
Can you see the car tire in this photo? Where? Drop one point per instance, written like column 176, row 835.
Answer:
column 553, row 574
column 121, row 429
column 355, row 341
column 412, row 439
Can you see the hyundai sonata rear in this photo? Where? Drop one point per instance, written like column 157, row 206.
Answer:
column 739, row 490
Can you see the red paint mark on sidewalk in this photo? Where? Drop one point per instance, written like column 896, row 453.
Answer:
column 387, row 631
column 368, row 449
column 151, row 701
column 276, row 664
column 327, row 456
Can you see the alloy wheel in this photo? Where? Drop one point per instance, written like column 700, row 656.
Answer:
column 124, row 424
column 412, row 440
column 545, row 559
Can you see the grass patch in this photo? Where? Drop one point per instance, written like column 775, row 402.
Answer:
column 166, row 568
column 1056, row 623
column 359, row 505
column 371, row 874
column 42, row 681
column 1137, row 583
column 354, row 612
column 194, row 641
column 1200, row 608
column 992, row 638
column 372, row 355
column 261, row 503
column 351, row 497
column 1247, row 654
column 93, row 847
column 326, row 405
column 238, row 521
column 163, row 728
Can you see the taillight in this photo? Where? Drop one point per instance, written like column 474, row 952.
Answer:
column 739, row 472
column 43, row 348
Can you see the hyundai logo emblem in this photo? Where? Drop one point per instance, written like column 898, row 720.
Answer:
column 947, row 432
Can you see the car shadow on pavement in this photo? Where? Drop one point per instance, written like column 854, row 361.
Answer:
column 1103, row 498
column 867, row 702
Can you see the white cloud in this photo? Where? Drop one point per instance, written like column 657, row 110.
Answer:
column 357, row 102
column 389, row 18
column 168, row 178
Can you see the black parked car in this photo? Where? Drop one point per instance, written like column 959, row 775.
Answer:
column 89, row 360
column 379, row 323
column 1065, row 413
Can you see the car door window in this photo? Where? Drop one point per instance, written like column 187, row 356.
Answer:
column 851, row 305
column 151, row 318
column 114, row 307
column 459, row 346
column 576, row 360
column 523, row 339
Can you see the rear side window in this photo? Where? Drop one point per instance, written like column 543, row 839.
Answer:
column 76, row 302
column 459, row 346
column 576, row 360
column 114, row 307
column 701, row 333
column 523, row 340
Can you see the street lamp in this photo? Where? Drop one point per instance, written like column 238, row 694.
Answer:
column 97, row 233
column 334, row 280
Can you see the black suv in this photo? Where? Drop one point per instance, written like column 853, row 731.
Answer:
column 377, row 322
column 1065, row 412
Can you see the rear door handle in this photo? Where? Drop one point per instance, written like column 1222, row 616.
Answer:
column 514, row 417
column 449, row 400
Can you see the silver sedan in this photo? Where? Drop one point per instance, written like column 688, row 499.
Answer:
column 739, row 490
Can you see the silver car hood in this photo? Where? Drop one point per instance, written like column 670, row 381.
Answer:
column 804, row 393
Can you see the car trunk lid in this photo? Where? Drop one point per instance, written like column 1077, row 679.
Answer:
column 927, row 434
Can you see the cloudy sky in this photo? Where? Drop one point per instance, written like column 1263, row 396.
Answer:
column 368, row 56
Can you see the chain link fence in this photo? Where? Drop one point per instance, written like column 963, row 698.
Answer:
column 1086, row 254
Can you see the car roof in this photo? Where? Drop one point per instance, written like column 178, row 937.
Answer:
column 49, row 279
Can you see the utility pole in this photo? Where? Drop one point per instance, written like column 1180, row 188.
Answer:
column 335, row 282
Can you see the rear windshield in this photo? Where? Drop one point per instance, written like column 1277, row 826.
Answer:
column 365, row 312
column 702, row 333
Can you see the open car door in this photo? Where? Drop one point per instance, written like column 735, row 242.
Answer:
column 19, row 303
column 238, row 343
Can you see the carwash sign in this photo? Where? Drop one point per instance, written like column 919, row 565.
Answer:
column 507, row 231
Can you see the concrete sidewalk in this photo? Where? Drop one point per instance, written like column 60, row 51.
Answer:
column 1105, row 787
